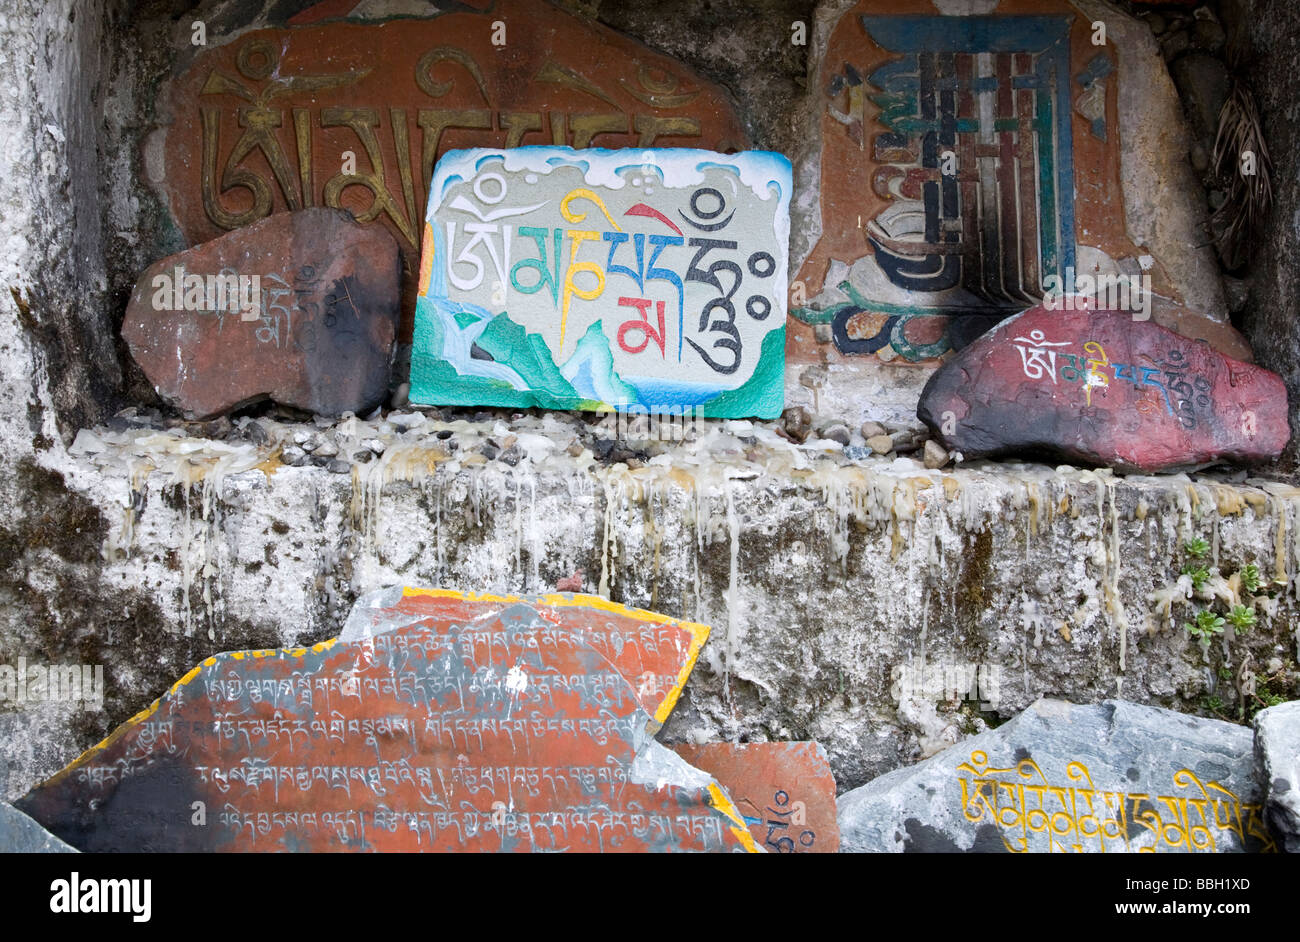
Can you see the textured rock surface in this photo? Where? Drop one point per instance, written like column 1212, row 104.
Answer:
column 1112, row 777
column 1277, row 763
column 435, row 722
column 1102, row 388
column 19, row 834
column 319, row 336
column 1272, row 316
column 785, row 791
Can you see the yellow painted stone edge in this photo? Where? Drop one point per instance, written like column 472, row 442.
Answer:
column 699, row 633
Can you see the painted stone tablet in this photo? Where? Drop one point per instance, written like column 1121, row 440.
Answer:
column 632, row 280
column 437, row 721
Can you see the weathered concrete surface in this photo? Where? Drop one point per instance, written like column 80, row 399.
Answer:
column 1277, row 764
column 1108, row 778
column 821, row 577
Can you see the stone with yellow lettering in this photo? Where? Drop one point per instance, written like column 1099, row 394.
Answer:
column 1113, row 777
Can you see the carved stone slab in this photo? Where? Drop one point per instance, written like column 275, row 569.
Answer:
column 437, row 721
column 354, row 115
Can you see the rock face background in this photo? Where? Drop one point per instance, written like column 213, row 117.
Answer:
column 829, row 579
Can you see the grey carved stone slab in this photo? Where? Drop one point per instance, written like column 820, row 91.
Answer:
column 1111, row 777
column 1277, row 763
column 19, row 834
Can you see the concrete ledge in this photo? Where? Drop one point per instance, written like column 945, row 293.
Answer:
column 827, row 581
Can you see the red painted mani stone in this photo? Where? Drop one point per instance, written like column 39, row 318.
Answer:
column 1100, row 388
column 318, row 335
column 784, row 790
column 437, row 721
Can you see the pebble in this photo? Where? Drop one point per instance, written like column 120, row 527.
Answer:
column 839, row 432
column 872, row 429
column 256, row 433
column 936, row 456
column 293, row 456
column 880, row 444
column 339, row 466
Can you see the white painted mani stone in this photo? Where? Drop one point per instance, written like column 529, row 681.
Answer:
column 636, row 280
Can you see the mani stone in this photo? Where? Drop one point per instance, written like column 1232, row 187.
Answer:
column 1099, row 388
column 1114, row 777
column 1277, row 763
column 785, row 791
column 267, row 121
column 19, row 834
column 650, row 281
column 963, row 158
column 437, row 721
column 301, row 308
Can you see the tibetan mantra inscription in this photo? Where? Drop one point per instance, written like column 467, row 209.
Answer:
column 966, row 162
column 354, row 115
column 437, row 721
column 650, row 281
column 1099, row 387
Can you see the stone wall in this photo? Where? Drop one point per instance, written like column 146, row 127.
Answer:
column 821, row 575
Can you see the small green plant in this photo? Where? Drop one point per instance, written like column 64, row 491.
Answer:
column 1204, row 626
column 1214, row 704
column 1196, row 547
column 1241, row 618
column 1250, row 578
column 1225, row 673
column 1200, row 575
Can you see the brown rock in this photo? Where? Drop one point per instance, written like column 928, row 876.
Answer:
column 936, row 456
column 312, row 329
column 881, row 444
